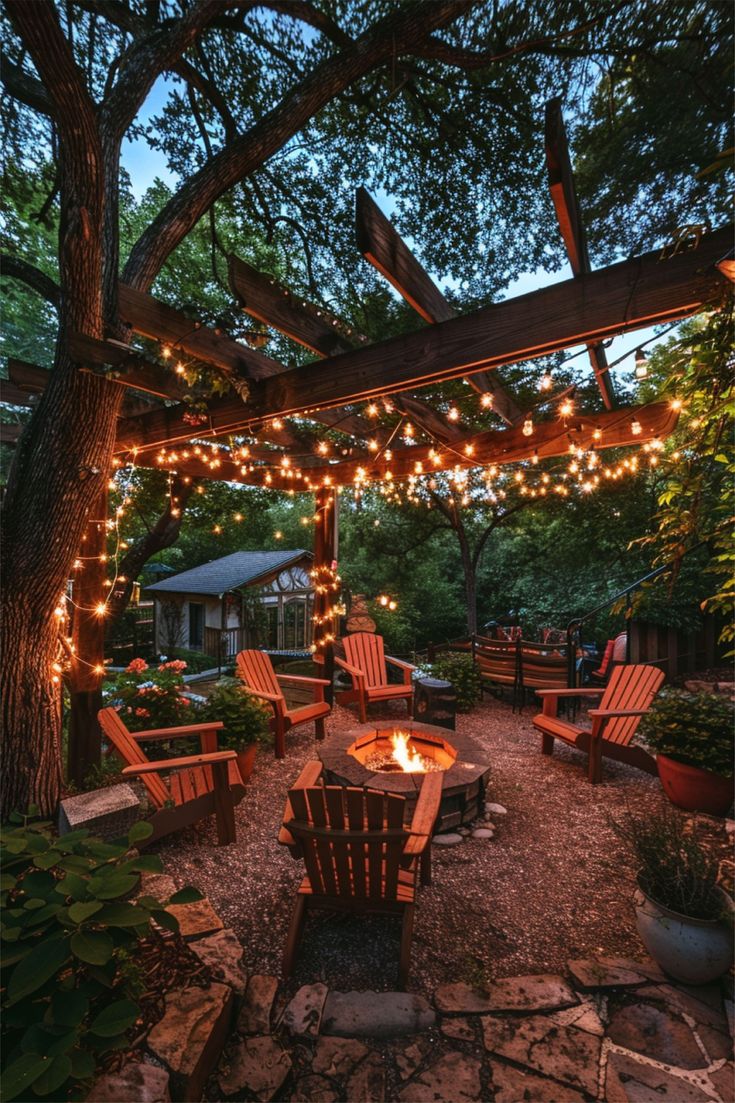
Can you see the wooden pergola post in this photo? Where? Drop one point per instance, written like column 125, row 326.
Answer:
column 326, row 530
column 88, row 639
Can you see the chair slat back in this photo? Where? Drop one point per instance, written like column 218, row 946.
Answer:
column 630, row 687
column 131, row 754
column 366, row 651
column 497, row 660
column 256, row 670
column 352, row 841
column 606, row 660
column 543, row 666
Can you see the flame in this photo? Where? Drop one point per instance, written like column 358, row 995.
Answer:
column 408, row 758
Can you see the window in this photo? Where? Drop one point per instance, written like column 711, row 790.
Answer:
column 196, row 626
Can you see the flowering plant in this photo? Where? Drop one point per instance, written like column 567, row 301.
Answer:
column 149, row 697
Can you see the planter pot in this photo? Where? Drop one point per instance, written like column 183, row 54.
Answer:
column 694, row 789
column 246, row 761
column 693, row 951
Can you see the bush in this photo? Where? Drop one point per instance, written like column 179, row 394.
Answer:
column 71, row 984
column 693, row 728
column 196, row 661
column 675, row 871
column 244, row 716
column 150, row 697
column 464, row 675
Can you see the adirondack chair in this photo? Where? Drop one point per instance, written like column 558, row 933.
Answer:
column 197, row 786
column 365, row 661
column 256, row 670
column 541, row 666
column 359, row 855
column 626, row 698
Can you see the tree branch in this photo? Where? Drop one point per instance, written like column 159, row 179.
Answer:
column 31, row 276
column 396, row 34
column 24, row 87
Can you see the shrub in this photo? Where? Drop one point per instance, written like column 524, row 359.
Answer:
column 464, row 675
column 675, row 870
column 71, row 985
column 150, row 697
column 244, row 716
column 693, row 728
column 196, row 661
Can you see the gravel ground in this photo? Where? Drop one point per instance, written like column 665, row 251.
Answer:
column 554, row 883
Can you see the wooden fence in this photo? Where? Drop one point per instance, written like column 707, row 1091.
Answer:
column 676, row 650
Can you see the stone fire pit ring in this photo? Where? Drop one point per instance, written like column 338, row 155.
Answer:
column 463, row 783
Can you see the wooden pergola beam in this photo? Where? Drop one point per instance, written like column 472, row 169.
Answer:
column 125, row 366
column 626, row 296
column 569, row 217
column 384, row 248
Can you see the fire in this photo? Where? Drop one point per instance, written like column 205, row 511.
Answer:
column 408, row 758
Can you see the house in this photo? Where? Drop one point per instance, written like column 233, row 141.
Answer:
column 247, row 599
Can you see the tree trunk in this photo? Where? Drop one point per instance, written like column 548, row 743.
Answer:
column 470, row 583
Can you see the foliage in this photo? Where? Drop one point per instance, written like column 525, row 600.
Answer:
column 464, row 675
column 70, row 931
column 675, row 869
column 396, row 626
column 196, row 661
column 148, row 697
column 695, row 728
column 244, row 716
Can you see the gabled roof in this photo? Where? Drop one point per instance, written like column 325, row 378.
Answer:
column 221, row 575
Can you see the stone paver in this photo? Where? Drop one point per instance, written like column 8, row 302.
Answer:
column 337, row 1056
column 190, row 1036
column 723, row 1080
column 585, row 1017
column 684, row 1003
column 717, row 1045
column 483, row 833
column 258, row 1065
column 197, row 919
column 541, row 992
column 461, row 1028
column 560, row 1052
column 376, row 1014
column 303, row 1015
column 314, row 1089
column 593, row 973
column 513, row 1085
column 408, row 1061
column 647, row 1030
column 255, row 1013
column 495, row 809
column 135, row 1082
column 631, row 1081
column 450, row 839
column 367, row 1083
column 222, row 952
column 454, row 1078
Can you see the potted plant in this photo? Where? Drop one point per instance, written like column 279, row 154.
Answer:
column 683, row 917
column 692, row 735
column 245, row 719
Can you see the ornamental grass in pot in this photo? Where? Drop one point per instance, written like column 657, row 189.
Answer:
column 245, row 721
column 693, row 735
column 684, row 918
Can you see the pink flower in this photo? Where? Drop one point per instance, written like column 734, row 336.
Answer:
column 176, row 665
column 185, row 701
column 136, row 666
column 142, row 712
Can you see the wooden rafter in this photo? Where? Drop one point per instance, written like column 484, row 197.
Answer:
column 569, row 217
column 589, row 308
column 381, row 245
column 504, row 446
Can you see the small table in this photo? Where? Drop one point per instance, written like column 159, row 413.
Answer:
column 435, row 702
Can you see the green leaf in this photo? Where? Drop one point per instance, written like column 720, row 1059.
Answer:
column 21, row 1074
column 69, row 1008
column 6, row 882
column 115, row 1019
column 139, row 831
column 82, row 1064
column 34, row 904
column 74, row 886
column 75, row 863
column 123, row 915
column 105, row 850
column 94, row 947
column 47, row 860
column 166, row 920
column 113, row 885
column 35, row 969
column 187, row 895
column 81, row 911
column 50, row 1042
column 56, row 1074
column 146, row 863
column 39, row 884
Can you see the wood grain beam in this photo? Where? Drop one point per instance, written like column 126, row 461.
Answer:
column 569, row 217
column 384, row 248
column 626, row 296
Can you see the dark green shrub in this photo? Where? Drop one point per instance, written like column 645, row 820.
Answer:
column 694, row 728
column 196, row 661
column 70, row 984
column 675, row 870
column 464, row 675
column 244, row 716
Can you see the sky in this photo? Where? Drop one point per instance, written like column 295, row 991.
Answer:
column 144, row 165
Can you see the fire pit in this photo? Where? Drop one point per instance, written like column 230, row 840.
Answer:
column 395, row 758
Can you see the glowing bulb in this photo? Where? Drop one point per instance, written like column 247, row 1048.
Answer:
column 528, row 427
column 165, row 352
column 486, row 401
column 566, row 409
column 545, row 382
column 641, row 364
column 100, row 609
column 373, row 445
column 408, row 430
column 676, row 404
column 453, row 413
column 278, row 535
column 372, row 410
column 277, row 423
column 322, row 448
column 635, row 427
column 180, row 369
column 469, row 449
column 238, row 517
column 217, row 529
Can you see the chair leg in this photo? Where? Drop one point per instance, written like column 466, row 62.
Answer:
column 595, row 761
column 223, row 808
column 406, row 936
column 547, row 743
column 363, row 709
column 295, row 931
column 409, row 703
column 425, row 866
column 319, row 728
column 280, row 734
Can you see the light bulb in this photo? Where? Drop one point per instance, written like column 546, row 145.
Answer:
column 641, row 364
column 528, row 427
column 566, row 409
column 486, row 401
column 635, row 427
column 453, row 413
column 545, row 382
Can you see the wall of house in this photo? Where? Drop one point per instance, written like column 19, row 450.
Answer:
column 168, row 627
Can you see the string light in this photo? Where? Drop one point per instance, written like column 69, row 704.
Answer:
column 545, row 382
column 453, row 413
column 635, row 427
column 486, row 401
column 566, row 408
column 641, row 364
column 528, row 427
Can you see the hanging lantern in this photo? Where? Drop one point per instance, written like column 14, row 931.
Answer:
column 641, row 364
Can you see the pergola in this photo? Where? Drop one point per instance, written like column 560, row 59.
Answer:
column 262, row 447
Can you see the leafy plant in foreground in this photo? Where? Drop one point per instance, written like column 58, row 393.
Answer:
column 70, row 986
column 693, row 728
column 464, row 675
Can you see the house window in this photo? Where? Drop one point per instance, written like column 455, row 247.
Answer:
column 196, row 626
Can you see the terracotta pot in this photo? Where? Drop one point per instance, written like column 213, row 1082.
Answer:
column 694, row 789
column 246, row 761
column 693, row 951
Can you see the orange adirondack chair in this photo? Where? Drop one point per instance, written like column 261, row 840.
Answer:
column 358, row 854
column 198, row 784
column 365, row 661
column 626, row 698
column 256, row 671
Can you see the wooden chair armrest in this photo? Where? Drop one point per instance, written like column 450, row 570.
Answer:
column 308, row 777
column 425, row 813
column 399, row 662
column 586, row 692
column 353, row 670
column 179, row 763
column 607, row 714
column 302, row 680
column 272, row 697
column 180, row 732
